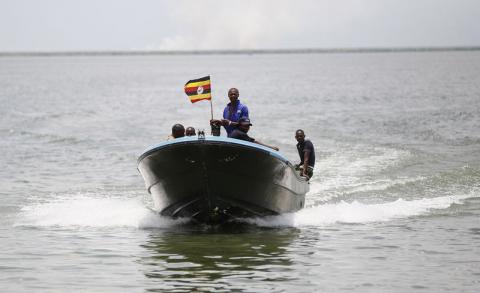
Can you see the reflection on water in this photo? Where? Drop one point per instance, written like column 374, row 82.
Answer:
column 218, row 258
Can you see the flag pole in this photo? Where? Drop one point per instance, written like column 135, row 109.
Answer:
column 211, row 98
column 215, row 127
column 211, row 107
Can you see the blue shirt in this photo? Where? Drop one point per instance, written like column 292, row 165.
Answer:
column 239, row 111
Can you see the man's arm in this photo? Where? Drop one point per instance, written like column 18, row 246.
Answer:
column 268, row 146
column 223, row 122
column 306, row 156
column 226, row 122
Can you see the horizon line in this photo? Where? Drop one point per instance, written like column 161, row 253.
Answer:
column 237, row 51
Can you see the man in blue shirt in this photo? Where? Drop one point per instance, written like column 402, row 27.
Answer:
column 233, row 111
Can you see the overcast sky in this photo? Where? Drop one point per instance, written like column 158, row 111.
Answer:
column 68, row 25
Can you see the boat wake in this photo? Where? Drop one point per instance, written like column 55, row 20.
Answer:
column 360, row 213
column 87, row 211
column 92, row 211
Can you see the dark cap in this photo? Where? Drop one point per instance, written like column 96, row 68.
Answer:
column 244, row 121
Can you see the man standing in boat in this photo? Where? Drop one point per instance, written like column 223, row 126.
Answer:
column 240, row 132
column 306, row 151
column 232, row 112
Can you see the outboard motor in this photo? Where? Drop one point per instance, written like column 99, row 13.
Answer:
column 201, row 135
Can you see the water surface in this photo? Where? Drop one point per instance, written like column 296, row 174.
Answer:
column 394, row 203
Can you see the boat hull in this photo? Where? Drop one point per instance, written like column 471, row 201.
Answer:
column 215, row 179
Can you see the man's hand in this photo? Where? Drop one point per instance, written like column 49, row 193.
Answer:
column 226, row 122
column 215, row 122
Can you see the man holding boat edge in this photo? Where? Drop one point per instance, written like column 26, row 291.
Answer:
column 306, row 151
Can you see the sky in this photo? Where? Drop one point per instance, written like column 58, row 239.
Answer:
column 123, row 25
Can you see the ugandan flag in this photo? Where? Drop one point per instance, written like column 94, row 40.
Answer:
column 198, row 89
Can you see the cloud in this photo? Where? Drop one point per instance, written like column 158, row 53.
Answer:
column 266, row 24
column 235, row 24
column 228, row 25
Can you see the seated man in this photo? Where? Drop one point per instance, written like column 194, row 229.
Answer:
column 190, row 131
column 240, row 132
column 177, row 131
column 306, row 151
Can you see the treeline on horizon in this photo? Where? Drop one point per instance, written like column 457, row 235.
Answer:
column 243, row 51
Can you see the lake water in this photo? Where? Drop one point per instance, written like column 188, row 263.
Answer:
column 394, row 204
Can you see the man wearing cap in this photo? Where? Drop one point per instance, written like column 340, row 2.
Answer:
column 232, row 112
column 240, row 132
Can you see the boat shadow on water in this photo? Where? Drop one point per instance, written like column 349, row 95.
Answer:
column 199, row 257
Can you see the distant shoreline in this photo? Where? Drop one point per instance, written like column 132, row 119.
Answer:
column 238, row 52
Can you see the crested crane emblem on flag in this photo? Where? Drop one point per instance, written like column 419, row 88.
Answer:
column 198, row 89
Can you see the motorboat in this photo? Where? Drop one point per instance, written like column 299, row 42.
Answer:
column 214, row 179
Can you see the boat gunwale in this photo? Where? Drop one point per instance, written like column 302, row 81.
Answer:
column 212, row 140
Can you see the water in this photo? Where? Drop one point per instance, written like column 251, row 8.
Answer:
column 394, row 204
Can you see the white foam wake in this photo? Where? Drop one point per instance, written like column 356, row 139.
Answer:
column 85, row 211
column 357, row 212
column 318, row 194
column 346, row 166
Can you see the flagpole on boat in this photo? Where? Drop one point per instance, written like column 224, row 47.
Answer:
column 211, row 98
column 211, row 107
column 215, row 128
